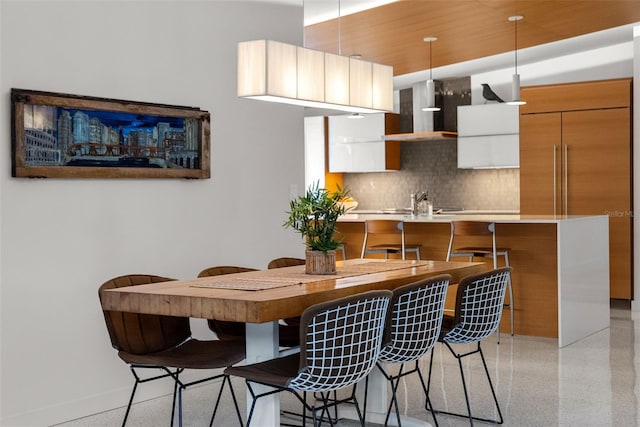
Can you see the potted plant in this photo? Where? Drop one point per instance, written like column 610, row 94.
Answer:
column 314, row 216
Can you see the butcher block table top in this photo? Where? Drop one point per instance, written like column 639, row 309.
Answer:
column 268, row 295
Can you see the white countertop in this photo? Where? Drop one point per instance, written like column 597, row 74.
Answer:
column 448, row 217
column 444, row 211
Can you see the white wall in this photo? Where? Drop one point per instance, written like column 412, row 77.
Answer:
column 61, row 238
column 314, row 151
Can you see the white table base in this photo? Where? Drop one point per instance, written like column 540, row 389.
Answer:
column 262, row 344
column 377, row 404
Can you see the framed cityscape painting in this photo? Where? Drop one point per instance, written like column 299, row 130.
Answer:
column 70, row 136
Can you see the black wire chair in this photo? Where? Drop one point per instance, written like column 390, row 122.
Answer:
column 486, row 230
column 479, row 301
column 413, row 327
column 340, row 342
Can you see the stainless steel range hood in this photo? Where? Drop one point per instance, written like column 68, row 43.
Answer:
column 417, row 125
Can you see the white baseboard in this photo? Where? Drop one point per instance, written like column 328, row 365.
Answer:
column 91, row 405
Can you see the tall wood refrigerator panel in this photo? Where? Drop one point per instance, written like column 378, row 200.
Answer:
column 575, row 159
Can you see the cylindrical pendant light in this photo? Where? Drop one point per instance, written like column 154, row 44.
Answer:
column 515, row 79
column 431, row 92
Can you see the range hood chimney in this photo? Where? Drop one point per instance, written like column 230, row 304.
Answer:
column 418, row 125
column 424, row 121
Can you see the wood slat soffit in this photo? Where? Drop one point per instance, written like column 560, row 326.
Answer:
column 466, row 29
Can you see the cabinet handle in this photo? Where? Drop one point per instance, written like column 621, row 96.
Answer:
column 555, row 184
column 566, row 180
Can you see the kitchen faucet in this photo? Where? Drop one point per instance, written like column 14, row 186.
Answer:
column 415, row 199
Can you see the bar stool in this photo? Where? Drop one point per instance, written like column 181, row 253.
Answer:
column 481, row 228
column 343, row 251
column 388, row 227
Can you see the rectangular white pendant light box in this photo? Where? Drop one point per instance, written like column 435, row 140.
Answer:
column 279, row 72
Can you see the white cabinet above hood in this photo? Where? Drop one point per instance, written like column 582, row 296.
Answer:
column 488, row 136
column 358, row 145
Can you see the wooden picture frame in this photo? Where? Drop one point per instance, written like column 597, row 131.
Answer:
column 58, row 135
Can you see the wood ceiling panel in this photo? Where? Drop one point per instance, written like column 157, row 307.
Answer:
column 466, row 29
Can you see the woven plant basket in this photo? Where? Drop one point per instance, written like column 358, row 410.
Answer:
column 317, row 262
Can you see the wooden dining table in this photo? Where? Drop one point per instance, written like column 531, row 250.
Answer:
column 261, row 298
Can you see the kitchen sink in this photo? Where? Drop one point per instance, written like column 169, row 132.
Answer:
column 397, row 211
column 437, row 213
column 382, row 211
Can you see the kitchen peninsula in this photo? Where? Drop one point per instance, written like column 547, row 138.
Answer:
column 560, row 265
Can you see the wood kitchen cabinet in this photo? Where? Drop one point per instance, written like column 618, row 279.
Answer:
column 575, row 159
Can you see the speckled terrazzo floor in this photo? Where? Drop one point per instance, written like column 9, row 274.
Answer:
column 590, row 383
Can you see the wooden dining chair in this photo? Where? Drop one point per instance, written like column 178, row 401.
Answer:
column 285, row 262
column 149, row 341
column 292, row 323
column 340, row 344
column 224, row 329
column 229, row 330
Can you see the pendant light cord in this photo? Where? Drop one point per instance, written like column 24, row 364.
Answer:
column 516, row 45
column 430, row 62
column 339, row 29
column 430, row 39
column 515, row 19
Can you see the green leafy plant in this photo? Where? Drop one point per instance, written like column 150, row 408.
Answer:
column 315, row 215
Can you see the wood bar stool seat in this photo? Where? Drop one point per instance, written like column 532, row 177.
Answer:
column 480, row 229
column 387, row 227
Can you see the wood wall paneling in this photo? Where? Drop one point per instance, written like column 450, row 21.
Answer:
column 392, row 148
column 332, row 180
column 577, row 96
column 466, row 29
column 533, row 258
